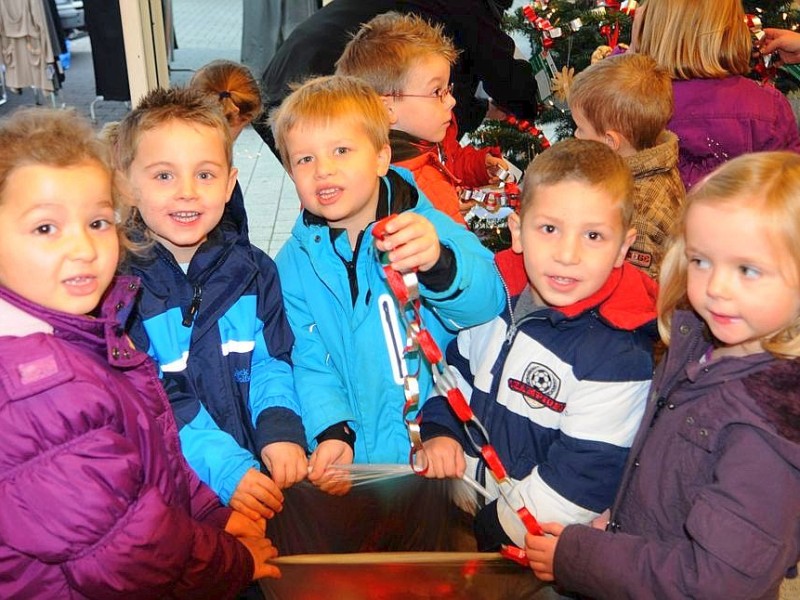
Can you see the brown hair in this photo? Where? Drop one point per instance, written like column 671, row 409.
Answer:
column 629, row 94
column 696, row 38
column 585, row 161
column 53, row 138
column 233, row 86
column 323, row 99
column 766, row 181
column 385, row 48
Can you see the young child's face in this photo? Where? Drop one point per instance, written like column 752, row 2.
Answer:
column 180, row 182
column 58, row 242
column 426, row 117
column 335, row 168
column 571, row 237
column 745, row 292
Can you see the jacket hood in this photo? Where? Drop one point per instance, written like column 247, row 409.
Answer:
column 627, row 300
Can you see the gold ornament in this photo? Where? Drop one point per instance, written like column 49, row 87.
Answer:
column 561, row 82
column 604, row 51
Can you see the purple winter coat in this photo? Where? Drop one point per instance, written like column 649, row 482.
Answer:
column 709, row 505
column 97, row 500
column 719, row 119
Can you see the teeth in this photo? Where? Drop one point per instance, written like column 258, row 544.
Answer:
column 78, row 280
column 328, row 192
column 185, row 216
column 563, row 279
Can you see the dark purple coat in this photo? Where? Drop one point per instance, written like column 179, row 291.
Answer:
column 97, row 500
column 709, row 505
column 719, row 119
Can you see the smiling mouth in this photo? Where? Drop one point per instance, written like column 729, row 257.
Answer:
column 563, row 280
column 79, row 280
column 185, row 216
column 328, row 193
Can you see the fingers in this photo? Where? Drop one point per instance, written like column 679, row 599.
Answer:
column 259, row 493
column 262, row 550
column 445, row 458
column 257, row 512
column 411, row 241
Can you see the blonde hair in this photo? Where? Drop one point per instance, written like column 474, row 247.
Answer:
column 233, row 86
column 584, row 161
column 385, row 49
column 158, row 107
column 629, row 94
column 53, row 138
column 696, row 38
column 321, row 100
column 768, row 182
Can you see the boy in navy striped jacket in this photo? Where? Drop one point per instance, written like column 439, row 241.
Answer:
column 559, row 379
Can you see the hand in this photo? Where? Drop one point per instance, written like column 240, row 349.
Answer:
column 785, row 42
column 411, row 241
column 262, row 550
column 286, row 461
column 541, row 549
column 492, row 164
column 257, row 496
column 240, row 525
column 495, row 113
column 323, row 473
column 444, row 457
column 601, row 521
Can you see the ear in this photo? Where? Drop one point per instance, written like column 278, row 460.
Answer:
column 388, row 102
column 232, row 175
column 515, row 227
column 384, row 157
column 613, row 139
column 630, row 237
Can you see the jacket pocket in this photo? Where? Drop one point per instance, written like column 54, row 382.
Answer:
column 731, row 538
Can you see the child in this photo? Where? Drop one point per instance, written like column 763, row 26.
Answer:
column 708, row 506
column 210, row 310
column 719, row 113
column 625, row 102
column 97, row 500
column 232, row 85
column 560, row 379
column 407, row 61
column 349, row 367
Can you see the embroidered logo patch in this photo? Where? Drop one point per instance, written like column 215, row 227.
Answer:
column 36, row 370
column 539, row 386
column 639, row 258
column 241, row 375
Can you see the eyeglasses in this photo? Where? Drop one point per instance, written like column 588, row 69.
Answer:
column 441, row 94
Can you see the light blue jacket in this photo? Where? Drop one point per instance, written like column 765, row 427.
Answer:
column 349, row 338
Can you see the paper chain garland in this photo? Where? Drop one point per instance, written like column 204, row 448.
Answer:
column 405, row 288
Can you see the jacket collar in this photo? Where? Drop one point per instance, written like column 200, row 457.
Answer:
column 659, row 159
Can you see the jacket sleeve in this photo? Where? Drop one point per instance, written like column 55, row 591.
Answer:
column 580, row 476
column 476, row 294
column 782, row 133
column 321, row 392
column 274, row 406
column 468, row 163
column 740, row 536
column 87, row 506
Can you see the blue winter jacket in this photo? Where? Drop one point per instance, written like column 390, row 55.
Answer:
column 348, row 352
column 222, row 343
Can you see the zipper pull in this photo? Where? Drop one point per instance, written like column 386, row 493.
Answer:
column 188, row 318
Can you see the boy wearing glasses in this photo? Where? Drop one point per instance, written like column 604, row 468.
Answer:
column 407, row 61
column 348, row 356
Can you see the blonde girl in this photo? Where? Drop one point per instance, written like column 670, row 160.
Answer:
column 97, row 499
column 709, row 506
column 719, row 112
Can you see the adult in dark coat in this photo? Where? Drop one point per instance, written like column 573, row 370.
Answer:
column 487, row 55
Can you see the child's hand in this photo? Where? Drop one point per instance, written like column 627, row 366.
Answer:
column 541, row 549
column 286, row 461
column 240, row 525
column 329, row 480
column 444, row 457
column 411, row 241
column 601, row 521
column 492, row 165
column 257, row 496
column 262, row 550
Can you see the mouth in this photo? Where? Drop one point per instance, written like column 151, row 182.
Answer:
column 80, row 280
column 721, row 318
column 185, row 216
column 327, row 195
column 562, row 281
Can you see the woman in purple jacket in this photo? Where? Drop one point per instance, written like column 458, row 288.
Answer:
column 719, row 113
column 97, row 501
column 709, row 504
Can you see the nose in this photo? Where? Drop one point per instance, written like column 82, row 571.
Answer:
column 567, row 250
column 450, row 100
column 718, row 284
column 187, row 188
column 324, row 167
column 82, row 246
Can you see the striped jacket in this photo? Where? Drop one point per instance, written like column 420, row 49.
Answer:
column 561, row 393
column 222, row 344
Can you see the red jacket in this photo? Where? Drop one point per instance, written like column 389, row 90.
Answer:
column 440, row 180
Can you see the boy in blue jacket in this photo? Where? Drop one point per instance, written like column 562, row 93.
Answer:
column 348, row 357
column 560, row 379
column 210, row 313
